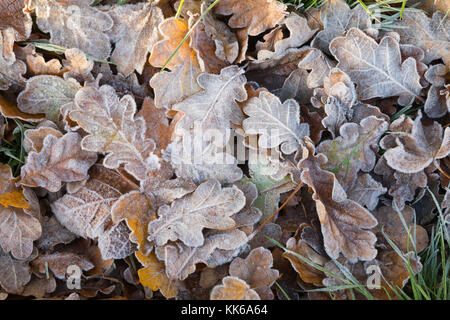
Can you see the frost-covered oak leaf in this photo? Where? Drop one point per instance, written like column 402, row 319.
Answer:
column 47, row 94
column 216, row 106
column 114, row 130
column 210, row 206
column 60, row 160
column 353, row 150
column 11, row 69
column 344, row 223
column 181, row 260
column 14, row 273
column 233, row 289
column 277, row 123
column 75, row 25
column 134, row 33
column 416, row 150
column 12, row 15
column 256, row 15
column 430, row 34
column 181, row 82
column 377, row 69
column 257, row 271
column 19, row 227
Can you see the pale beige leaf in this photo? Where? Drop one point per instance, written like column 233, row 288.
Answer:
column 134, row 34
column 414, row 151
column 215, row 107
column 59, row 262
column 337, row 18
column 75, row 25
column 11, row 70
column 114, row 130
column 377, row 69
column 181, row 260
column 209, row 206
column 430, row 34
column 60, row 160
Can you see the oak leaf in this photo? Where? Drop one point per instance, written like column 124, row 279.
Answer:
column 181, row 260
column 134, row 33
column 344, row 223
column 353, row 150
column 209, row 206
column 113, row 129
column 47, row 94
column 337, row 18
column 19, row 227
column 215, row 107
column 377, row 69
column 233, row 289
column 60, row 160
column 153, row 275
column 58, row 263
column 437, row 104
column 256, row 270
column 12, row 14
column 14, row 274
column 277, row 123
column 417, row 149
column 181, row 82
column 430, row 34
column 11, row 69
column 366, row 191
column 75, row 25
column 257, row 15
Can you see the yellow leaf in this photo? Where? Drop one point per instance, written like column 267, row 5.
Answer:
column 14, row 199
column 154, row 276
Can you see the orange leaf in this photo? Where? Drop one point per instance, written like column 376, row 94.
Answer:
column 14, row 199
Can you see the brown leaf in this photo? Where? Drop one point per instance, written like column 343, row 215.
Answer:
column 415, row 150
column 77, row 25
column 256, row 270
column 53, row 233
column 218, row 248
column 181, row 82
column 14, row 274
column 18, row 227
column 209, row 206
column 12, row 14
column 437, row 104
column 353, row 150
column 319, row 65
column 257, row 15
column 134, row 33
column 60, row 160
column 233, row 289
column 366, row 191
column 59, row 262
column 407, row 237
column 344, row 223
column 430, row 34
column 113, row 129
column 377, row 69
column 337, row 18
